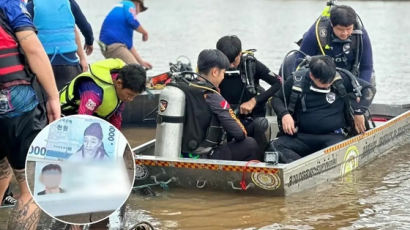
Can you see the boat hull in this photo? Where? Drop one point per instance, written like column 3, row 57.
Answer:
column 274, row 180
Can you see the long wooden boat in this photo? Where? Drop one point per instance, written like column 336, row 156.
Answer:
column 393, row 130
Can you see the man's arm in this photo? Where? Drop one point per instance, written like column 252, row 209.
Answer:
column 40, row 65
column 139, row 59
column 278, row 102
column 116, row 118
column 80, row 51
column 262, row 72
column 144, row 33
column 130, row 14
column 84, row 26
column 360, row 106
column 309, row 44
column 90, row 97
column 368, row 92
column 366, row 62
column 30, row 9
column 278, row 105
column 220, row 107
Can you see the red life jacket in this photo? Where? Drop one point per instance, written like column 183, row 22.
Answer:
column 12, row 60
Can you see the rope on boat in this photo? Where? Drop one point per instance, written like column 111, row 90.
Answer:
column 162, row 184
column 243, row 185
column 250, row 185
column 243, row 181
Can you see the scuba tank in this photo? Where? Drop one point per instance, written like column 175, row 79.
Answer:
column 248, row 69
column 170, row 122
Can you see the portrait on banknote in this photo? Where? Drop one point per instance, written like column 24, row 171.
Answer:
column 79, row 138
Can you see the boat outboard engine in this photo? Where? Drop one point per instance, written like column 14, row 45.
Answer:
column 170, row 122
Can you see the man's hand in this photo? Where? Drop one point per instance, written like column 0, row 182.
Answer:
column 288, row 124
column 146, row 64
column 53, row 109
column 145, row 37
column 247, row 107
column 88, row 49
column 359, row 123
column 84, row 64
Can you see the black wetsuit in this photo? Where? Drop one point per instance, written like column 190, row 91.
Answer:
column 320, row 125
column 232, row 88
column 241, row 147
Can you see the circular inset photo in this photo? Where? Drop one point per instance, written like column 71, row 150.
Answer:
column 80, row 169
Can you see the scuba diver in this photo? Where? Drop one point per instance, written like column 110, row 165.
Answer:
column 242, row 90
column 321, row 107
column 208, row 115
column 340, row 34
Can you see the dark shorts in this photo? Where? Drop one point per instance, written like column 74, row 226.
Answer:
column 65, row 73
column 17, row 133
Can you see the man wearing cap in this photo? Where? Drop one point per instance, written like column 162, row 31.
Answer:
column 117, row 32
column 320, row 108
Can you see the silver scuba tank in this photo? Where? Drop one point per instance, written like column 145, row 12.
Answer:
column 170, row 122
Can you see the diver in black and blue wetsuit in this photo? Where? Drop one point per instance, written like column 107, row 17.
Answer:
column 341, row 36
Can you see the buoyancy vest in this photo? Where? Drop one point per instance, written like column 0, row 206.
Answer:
column 300, row 86
column 55, row 23
column 352, row 47
column 12, row 59
column 246, row 72
column 202, row 131
column 100, row 74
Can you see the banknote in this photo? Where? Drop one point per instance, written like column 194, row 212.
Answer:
column 68, row 188
column 78, row 138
